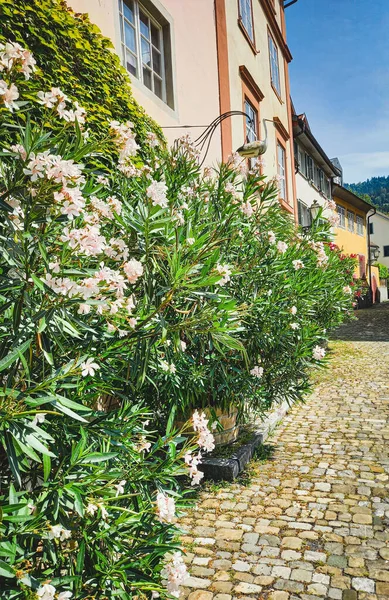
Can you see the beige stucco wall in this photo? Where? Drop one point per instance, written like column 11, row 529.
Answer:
column 241, row 53
column 194, row 63
column 380, row 236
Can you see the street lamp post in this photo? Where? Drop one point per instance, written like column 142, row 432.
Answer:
column 314, row 210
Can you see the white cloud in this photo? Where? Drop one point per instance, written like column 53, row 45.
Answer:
column 359, row 166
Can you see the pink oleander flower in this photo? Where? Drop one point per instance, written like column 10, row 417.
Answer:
column 225, row 271
column 271, row 237
column 91, row 509
column 89, row 367
column 257, row 371
column 120, row 487
column 152, row 139
column 175, row 572
column 59, row 532
column 38, row 418
column 247, row 209
column 347, row 289
column 19, row 149
column 143, row 445
column 282, row 247
column 65, row 595
column 298, row 264
column 168, row 368
column 318, row 353
column 166, row 508
column 46, row 592
column 133, row 269
column 157, row 191
column 293, row 310
column 8, row 95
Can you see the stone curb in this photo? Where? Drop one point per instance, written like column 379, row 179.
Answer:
column 227, row 469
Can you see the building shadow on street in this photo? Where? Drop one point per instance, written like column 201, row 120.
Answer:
column 370, row 325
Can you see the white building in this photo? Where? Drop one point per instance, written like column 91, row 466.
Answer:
column 379, row 236
column 314, row 170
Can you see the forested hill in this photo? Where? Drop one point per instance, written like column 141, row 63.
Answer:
column 377, row 190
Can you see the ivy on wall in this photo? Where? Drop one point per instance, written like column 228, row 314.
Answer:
column 73, row 54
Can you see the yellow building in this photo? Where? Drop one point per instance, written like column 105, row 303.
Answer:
column 352, row 232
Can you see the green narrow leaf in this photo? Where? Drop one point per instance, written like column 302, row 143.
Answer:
column 6, row 570
column 14, row 355
column 46, row 466
column 12, row 458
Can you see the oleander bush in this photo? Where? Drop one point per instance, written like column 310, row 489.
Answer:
column 129, row 293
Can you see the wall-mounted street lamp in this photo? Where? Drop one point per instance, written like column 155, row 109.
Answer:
column 203, row 142
column 314, row 210
column 374, row 253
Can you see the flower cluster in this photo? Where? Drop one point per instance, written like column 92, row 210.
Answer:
column 322, row 258
column 58, row 100
column 175, row 572
column 225, row 271
column 48, row 592
column 13, row 59
column 59, row 532
column 257, row 371
column 157, row 191
column 318, row 353
column 166, row 508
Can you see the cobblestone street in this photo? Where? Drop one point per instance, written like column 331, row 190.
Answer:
column 312, row 520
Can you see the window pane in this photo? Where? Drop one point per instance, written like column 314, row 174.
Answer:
column 144, row 25
column 157, row 61
column 130, row 37
column 158, row 86
column 131, row 64
column 128, row 9
column 155, row 36
column 147, row 77
column 146, row 56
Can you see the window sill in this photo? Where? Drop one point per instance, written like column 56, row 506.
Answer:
column 250, row 42
column 286, row 205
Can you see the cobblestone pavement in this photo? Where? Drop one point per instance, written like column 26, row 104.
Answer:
column 312, row 521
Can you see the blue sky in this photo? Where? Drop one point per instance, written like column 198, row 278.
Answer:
column 340, row 79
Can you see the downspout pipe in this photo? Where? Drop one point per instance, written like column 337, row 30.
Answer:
column 368, row 247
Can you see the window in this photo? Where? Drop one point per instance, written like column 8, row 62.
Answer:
column 251, row 126
column 310, row 168
column 360, row 225
column 281, row 168
column 274, row 68
column 304, row 216
column 342, row 215
column 246, row 17
column 327, row 187
column 371, row 228
column 386, row 250
column 350, row 220
column 142, row 45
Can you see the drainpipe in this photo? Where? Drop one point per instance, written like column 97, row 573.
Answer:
column 368, row 247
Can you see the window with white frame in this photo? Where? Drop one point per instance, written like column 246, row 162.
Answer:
column 143, row 46
column 360, row 225
column 246, row 17
column 274, row 66
column 342, row 215
column 281, row 169
column 350, row 220
column 251, row 126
